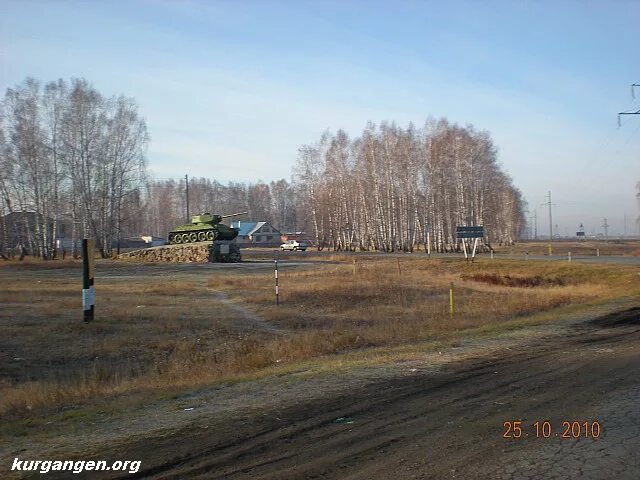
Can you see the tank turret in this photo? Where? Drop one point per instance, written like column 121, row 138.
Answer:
column 204, row 227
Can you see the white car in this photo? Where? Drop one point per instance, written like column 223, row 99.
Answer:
column 293, row 245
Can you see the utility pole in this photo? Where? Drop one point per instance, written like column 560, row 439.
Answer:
column 186, row 183
column 530, row 230
column 549, row 204
column 633, row 96
column 605, row 225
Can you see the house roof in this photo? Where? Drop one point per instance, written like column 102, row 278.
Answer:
column 248, row 228
column 244, row 227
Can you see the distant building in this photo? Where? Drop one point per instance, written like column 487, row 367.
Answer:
column 261, row 234
column 152, row 241
column 143, row 241
column 20, row 229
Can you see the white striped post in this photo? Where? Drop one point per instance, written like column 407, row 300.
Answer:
column 276, row 276
column 88, row 292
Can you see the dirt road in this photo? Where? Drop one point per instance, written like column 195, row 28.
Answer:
column 444, row 424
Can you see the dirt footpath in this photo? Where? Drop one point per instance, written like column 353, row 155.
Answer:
column 445, row 424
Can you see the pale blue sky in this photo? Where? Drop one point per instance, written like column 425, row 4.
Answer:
column 230, row 90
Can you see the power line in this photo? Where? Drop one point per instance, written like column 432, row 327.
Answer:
column 549, row 204
column 632, row 134
column 630, row 112
column 533, row 223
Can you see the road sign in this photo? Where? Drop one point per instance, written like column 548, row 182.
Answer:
column 470, row 232
column 473, row 232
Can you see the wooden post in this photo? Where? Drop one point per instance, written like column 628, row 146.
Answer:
column 475, row 245
column 88, row 292
column 276, row 275
column 399, row 270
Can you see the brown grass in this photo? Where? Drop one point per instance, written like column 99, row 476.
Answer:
column 586, row 247
column 155, row 335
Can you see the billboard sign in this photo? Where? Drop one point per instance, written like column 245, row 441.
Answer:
column 470, row 232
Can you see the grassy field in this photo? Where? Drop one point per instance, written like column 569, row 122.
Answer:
column 586, row 247
column 155, row 332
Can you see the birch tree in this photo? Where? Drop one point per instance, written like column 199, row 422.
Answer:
column 69, row 156
column 386, row 189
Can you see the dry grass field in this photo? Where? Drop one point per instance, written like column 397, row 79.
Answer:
column 156, row 332
column 586, row 247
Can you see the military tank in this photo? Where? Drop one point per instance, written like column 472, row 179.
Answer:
column 204, row 228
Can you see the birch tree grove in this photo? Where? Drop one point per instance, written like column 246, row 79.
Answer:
column 391, row 186
column 166, row 202
column 69, row 159
column 72, row 165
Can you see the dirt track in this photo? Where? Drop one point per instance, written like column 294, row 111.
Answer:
column 447, row 424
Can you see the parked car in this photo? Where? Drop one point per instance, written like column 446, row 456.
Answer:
column 293, row 245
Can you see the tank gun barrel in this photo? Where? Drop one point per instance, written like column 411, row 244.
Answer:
column 233, row 214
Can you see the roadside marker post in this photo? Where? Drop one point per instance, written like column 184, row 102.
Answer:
column 597, row 252
column 492, row 253
column 569, row 256
column 399, row 270
column 354, row 267
column 88, row 292
column 276, row 274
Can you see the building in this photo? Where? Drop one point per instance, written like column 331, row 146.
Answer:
column 18, row 230
column 261, row 234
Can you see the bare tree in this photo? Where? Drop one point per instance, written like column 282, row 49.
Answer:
column 388, row 188
column 69, row 156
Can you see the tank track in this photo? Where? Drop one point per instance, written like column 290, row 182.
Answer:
column 181, row 238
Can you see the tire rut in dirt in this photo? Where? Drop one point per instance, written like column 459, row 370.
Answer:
column 630, row 316
column 457, row 409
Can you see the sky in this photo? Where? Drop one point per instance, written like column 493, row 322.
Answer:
column 230, row 90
